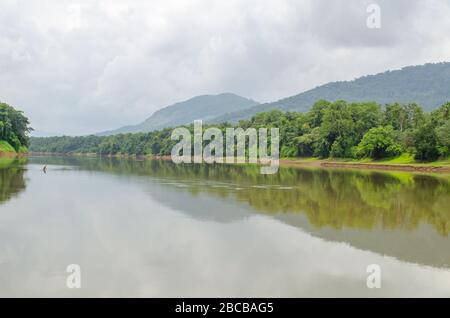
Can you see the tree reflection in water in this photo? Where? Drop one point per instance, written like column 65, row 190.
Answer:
column 12, row 181
column 329, row 198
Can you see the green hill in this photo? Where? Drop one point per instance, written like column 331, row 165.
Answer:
column 205, row 107
column 427, row 85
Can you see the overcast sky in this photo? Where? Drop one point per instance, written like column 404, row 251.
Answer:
column 79, row 67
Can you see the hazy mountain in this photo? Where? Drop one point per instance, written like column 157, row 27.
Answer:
column 205, row 107
column 428, row 85
column 43, row 133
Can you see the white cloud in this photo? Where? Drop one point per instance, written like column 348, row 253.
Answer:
column 84, row 66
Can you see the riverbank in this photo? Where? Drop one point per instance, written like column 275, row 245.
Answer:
column 6, row 150
column 442, row 166
column 435, row 167
column 404, row 162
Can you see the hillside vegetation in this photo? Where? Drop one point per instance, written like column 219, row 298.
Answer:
column 427, row 85
column 329, row 130
column 14, row 127
column 204, row 107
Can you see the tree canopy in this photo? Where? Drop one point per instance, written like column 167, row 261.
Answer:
column 330, row 129
column 14, row 127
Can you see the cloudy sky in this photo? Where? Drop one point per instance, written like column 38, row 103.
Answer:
column 78, row 67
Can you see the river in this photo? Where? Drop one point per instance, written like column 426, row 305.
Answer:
column 155, row 229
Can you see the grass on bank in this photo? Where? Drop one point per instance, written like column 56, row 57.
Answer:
column 404, row 159
column 5, row 147
column 408, row 159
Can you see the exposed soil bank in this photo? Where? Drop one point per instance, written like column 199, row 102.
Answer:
column 12, row 154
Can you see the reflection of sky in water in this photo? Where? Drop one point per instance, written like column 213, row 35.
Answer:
column 142, row 236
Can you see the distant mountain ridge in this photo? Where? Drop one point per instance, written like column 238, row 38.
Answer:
column 205, row 107
column 427, row 85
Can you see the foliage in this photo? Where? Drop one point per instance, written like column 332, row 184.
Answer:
column 425, row 141
column 379, row 143
column 14, row 127
column 6, row 147
column 330, row 129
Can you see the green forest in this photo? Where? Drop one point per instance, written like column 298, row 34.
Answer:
column 14, row 129
column 337, row 129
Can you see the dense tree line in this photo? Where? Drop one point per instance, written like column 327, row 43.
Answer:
column 330, row 129
column 360, row 130
column 14, row 127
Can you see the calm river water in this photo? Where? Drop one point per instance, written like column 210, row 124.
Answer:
column 156, row 229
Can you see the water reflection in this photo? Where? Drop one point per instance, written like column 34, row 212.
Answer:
column 329, row 198
column 12, row 181
column 152, row 228
column 398, row 214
